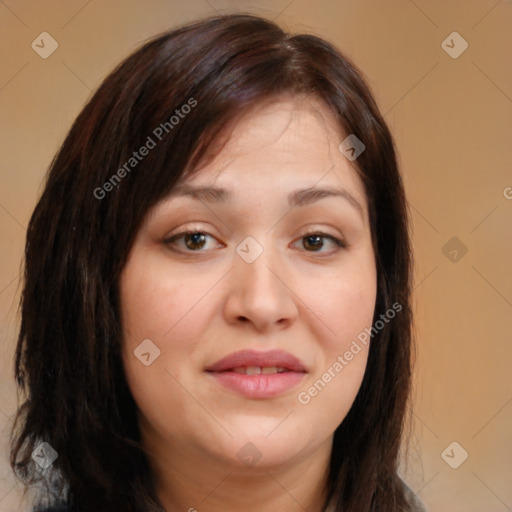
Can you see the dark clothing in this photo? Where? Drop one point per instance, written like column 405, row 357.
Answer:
column 418, row 506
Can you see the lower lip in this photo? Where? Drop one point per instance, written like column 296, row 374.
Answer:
column 258, row 386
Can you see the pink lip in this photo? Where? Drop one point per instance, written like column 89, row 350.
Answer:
column 255, row 358
column 263, row 385
column 258, row 386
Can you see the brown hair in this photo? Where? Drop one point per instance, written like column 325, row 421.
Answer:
column 68, row 354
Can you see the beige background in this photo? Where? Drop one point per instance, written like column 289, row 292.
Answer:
column 453, row 126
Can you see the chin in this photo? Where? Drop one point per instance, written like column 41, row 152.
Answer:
column 258, row 451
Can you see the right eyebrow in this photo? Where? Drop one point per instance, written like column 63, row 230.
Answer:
column 208, row 194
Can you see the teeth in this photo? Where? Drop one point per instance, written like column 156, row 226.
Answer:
column 257, row 370
column 253, row 370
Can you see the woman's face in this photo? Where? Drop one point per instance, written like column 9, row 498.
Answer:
column 266, row 275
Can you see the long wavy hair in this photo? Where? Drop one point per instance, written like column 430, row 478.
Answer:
column 67, row 364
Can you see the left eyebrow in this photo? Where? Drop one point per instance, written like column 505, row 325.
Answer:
column 299, row 197
column 303, row 197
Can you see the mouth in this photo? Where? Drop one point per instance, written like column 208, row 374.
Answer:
column 254, row 360
column 258, row 375
column 257, row 370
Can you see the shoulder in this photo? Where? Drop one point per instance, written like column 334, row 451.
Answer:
column 413, row 500
column 59, row 508
column 416, row 504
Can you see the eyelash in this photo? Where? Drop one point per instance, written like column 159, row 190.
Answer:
column 341, row 244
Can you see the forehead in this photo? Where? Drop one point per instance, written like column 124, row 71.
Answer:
column 293, row 125
column 282, row 143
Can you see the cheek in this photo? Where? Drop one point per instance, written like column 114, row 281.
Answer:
column 150, row 311
column 156, row 304
column 172, row 310
column 343, row 305
column 343, row 302
column 347, row 311
column 331, row 391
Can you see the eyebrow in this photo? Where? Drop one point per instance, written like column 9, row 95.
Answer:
column 299, row 197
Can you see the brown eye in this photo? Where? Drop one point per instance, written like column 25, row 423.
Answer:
column 315, row 242
column 193, row 241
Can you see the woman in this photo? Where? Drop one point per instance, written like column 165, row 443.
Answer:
column 216, row 309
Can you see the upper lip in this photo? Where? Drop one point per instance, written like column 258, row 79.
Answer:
column 278, row 358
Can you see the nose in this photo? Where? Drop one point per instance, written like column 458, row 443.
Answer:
column 261, row 293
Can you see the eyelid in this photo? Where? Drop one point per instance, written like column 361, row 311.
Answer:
column 192, row 228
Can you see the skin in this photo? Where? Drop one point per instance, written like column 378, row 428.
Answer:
column 197, row 306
